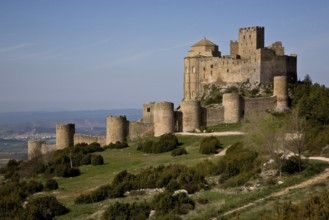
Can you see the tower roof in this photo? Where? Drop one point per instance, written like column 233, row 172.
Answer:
column 204, row 42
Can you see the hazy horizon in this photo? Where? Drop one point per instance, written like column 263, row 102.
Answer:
column 80, row 55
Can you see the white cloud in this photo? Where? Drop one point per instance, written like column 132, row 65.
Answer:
column 13, row 48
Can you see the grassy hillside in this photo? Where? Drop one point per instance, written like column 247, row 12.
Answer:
column 129, row 159
column 219, row 200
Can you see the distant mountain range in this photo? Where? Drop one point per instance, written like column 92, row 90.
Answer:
column 89, row 122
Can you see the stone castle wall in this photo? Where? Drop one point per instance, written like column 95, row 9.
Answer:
column 213, row 116
column 252, row 105
column 139, row 130
column 88, row 139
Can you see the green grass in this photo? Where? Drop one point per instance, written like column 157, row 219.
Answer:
column 116, row 160
column 133, row 161
column 225, row 127
column 221, row 201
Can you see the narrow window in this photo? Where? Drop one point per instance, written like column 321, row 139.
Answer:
column 193, row 69
column 148, row 109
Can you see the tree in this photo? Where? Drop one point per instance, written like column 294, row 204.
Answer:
column 295, row 135
column 265, row 134
column 277, row 135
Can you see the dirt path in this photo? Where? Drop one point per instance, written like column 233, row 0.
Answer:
column 317, row 179
column 224, row 133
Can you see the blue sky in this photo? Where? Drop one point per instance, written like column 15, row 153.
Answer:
column 79, row 54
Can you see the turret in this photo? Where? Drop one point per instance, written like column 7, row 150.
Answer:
column 281, row 93
column 232, row 107
column 34, row 149
column 64, row 135
column 164, row 121
column 116, row 129
column 191, row 114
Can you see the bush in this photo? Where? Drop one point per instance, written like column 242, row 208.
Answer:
column 119, row 211
column 239, row 164
column 203, row 201
column 51, row 184
column 209, row 145
column 165, row 203
column 291, row 166
column 86, row 160
column 100, row 194
column 172, row 177
column 71, row 172
column 166, row 142
column 32, row 187
column 314, row 207
column 117, row 145
column 206, row 168
column 46, row 207
column 97, row 160
column 178, row 151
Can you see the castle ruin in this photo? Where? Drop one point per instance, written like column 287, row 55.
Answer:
column 248, row 61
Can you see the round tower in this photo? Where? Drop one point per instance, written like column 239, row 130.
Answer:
column 164, row 121
column 232, row 107
column 116, row 129
column 64, row 135
column 34, row 149
column 281, row 93
column 191, row 111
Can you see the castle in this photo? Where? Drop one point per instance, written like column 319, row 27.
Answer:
column 249, row 61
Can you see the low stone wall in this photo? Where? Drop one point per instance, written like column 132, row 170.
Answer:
column 81, row 138
column 138, row 130
column 213, row 116
column 252, row 105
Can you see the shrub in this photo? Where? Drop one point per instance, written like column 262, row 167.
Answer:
column 171, row 177
column 46, row 207
column 86, row 160
column 166, row 142
column 97, row 160
column 206, row 168
column 120, row 211
column 32, row 187
column 203, row 201
column 100, row 194
column 71, row 172
column 239, row 164
column 209, row 145
column 51, row 184
column 11, row 169
column 178, row 151
column 291, row 166
column 165, row 203
column 117, row 145
column 172, row 186
column 314, row 207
